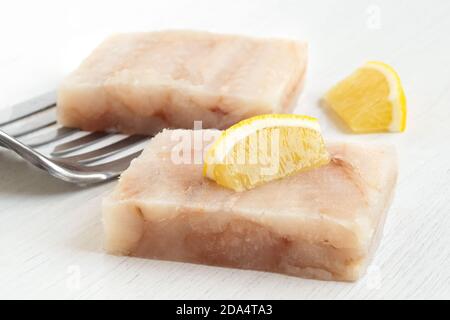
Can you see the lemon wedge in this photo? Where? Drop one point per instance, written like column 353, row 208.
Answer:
column 264, row 148
column 371, row 99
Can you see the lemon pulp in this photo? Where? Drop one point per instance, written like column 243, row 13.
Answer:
column 371, row 99
column 265, row 148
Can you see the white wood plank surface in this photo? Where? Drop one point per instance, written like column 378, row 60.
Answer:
column 51, row 234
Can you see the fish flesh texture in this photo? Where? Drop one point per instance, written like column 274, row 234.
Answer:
column 324, row 223
column 142, row 82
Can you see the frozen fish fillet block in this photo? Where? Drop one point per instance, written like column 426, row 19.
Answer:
column 323, row 224
column 142, row 82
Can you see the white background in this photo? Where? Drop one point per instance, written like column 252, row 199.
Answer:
column 50, row 232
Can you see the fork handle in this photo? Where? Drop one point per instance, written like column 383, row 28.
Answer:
column 25, row 152
column 34, row 157
column 43, row 163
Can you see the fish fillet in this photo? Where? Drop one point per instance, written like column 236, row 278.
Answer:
column 324, row 223
column 142, row 82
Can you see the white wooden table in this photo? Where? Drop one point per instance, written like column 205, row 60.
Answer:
column 51, row 233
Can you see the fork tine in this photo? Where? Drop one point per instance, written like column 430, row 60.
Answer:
column 30, row 107
column 79, row 143
column 117, row 166
column 48, row 137
column 34, row 122
column 31, row 124
column 105, row 151
column 36, row 127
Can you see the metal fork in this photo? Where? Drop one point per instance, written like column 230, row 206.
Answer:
column 30, row 130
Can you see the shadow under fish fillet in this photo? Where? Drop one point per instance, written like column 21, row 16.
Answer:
column 324, row 223
column 143, row 82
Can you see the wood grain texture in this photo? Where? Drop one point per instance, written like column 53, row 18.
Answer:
column 51, row 234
